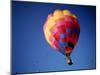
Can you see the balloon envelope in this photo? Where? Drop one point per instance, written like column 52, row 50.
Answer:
column 62, row 30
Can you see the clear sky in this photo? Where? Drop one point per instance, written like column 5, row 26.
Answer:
column 31, row 52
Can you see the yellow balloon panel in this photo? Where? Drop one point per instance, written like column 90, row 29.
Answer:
column 58, row 14
column 66, row 12
column 50, row 22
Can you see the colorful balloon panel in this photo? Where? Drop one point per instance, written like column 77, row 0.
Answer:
column 62, row 30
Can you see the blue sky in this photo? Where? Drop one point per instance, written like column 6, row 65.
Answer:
column 31, row 52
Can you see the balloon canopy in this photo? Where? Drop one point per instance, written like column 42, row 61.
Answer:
column 62, row 30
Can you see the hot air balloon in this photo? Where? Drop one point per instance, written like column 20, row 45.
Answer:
column 61, row 31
